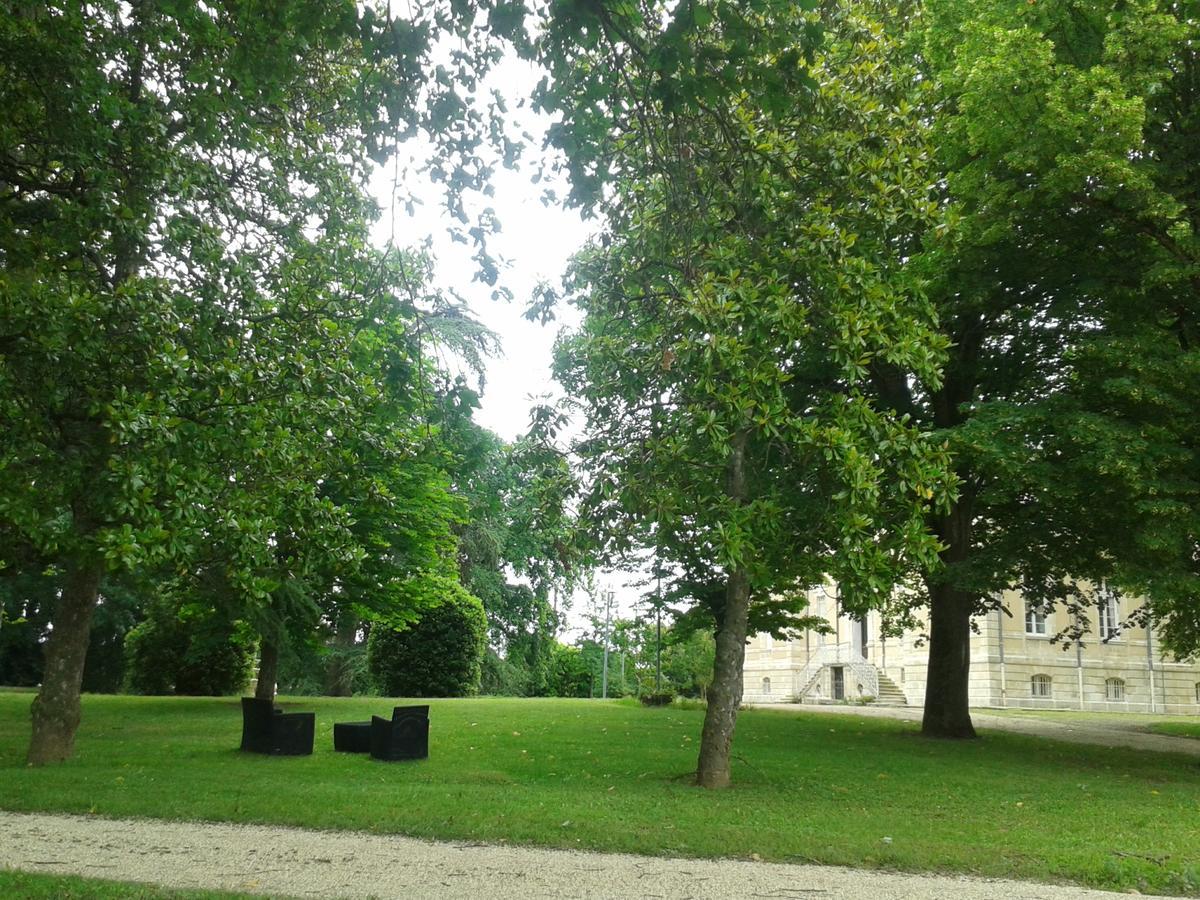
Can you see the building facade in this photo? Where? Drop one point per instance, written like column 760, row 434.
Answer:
column 1118, row 667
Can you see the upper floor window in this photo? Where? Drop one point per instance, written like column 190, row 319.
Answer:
column 768, row 642
column 1114, row 689
column 1039, row 686
column 1110, row 613
column 1035, row 618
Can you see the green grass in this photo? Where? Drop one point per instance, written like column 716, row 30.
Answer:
column 25, row 885
column 615, row 776
column 1178, row 729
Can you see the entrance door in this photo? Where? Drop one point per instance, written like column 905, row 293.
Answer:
column 839, row 682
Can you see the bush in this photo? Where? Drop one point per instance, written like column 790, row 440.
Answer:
column 570, row 675
column 439, row 656
column 194, row 652
column 664, row 699
column 501, row 678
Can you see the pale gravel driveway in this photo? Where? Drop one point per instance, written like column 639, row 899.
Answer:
column 296, row 863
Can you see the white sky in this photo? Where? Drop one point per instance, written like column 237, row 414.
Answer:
column 537, row 241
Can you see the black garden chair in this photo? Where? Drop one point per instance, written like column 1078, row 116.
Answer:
column 266, row 729
column 404, row 736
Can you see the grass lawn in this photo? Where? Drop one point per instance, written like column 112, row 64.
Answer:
column 67, row 887
column 615, row 776
column 1180, row 729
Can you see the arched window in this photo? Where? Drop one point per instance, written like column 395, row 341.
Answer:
column 1114, row 689
column 766, row 685
column 1039, row 686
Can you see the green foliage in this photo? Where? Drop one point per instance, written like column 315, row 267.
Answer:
column 194, row 651
column 518, row 523
column 501, row 678
column 440, row 655
column 664, row 699
column 744, row 297
column 26, row 602
column 204, row 366
column 570, row 673
column 1063, row 272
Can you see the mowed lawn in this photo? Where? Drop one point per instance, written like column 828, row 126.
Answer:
column 615, row 776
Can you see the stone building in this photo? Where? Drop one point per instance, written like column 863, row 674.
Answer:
column 1118, row 667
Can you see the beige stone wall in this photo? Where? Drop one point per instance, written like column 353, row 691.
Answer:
column 1005, row 657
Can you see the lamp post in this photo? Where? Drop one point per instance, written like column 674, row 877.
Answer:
column 608, row 598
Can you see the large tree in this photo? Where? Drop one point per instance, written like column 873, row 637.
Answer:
column 182, row 271
column 1063, row 272
column 752, row 271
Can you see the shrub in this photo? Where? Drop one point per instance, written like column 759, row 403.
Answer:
column 570, row 675
column 664, row 699
column 501, row 678
column 439, row 656
column 197, row 652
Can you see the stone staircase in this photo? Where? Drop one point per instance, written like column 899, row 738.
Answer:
column 890, row 693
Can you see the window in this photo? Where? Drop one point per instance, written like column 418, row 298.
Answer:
column 1114, row 689
column 1039, row 686
column 768, row 642
column 1110, row 614
column 766, row 685
column 1198, row 691
column 1035, row 619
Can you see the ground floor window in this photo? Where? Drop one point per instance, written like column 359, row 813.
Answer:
column 1198, row 691
column 1039, row 686
column 1114, row 689
column 766, row 685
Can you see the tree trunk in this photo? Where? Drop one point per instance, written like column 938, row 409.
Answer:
column 56, row 709
column 947, row 682
column 340, row 675
column 947, row 710
column 268, row 669
column 725, row 693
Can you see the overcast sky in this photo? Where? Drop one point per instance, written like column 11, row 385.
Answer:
column 537, row 240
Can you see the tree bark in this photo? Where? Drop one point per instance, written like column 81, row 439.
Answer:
column 947, row 710
column 56, row 710
column 947, row 683
column 268, row 669
column 725, row 694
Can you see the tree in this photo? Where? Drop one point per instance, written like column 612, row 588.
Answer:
column 181, row 277
column 1063, row 274
column 750, row 274
column 518, row 527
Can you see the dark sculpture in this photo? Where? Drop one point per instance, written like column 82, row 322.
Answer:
column 404, row 736
column 266, row 729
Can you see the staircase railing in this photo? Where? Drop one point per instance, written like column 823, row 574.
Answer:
column 867, row 675
column 808, row 677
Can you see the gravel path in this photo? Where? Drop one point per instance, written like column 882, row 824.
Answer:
column 296, row 863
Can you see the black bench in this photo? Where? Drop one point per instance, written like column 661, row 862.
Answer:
column 404, row 736
column 266, row 729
